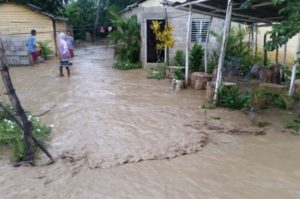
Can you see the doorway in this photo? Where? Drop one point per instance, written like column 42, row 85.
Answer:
column 151, row 42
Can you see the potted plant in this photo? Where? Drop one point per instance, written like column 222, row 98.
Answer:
column 178, row 80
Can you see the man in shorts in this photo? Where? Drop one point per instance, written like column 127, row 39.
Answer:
column 31, row 46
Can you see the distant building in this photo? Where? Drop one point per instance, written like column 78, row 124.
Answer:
column 16, row 22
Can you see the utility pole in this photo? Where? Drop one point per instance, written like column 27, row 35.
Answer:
column 96, row 20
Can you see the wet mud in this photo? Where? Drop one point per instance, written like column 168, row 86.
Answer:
column 116, row 135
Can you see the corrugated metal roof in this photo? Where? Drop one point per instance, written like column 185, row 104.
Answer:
column 51, row 15
column 262, row 11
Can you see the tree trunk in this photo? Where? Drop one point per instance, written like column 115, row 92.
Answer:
column 96, row 20
column 21, row 116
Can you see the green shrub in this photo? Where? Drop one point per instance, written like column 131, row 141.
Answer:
column 294, row 124
column 159, row 72
column 127, row 38
column 196, row 58
column 12, row 135
column 208, row 105
column 45, row 49
column 236, row 48
column 127, row 65
column 213, row 60
column 179, row 58
column 178, row 74
column 229, row 97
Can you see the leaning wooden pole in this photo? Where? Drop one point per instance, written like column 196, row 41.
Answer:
column 223, row 48
column 187, row 46
column 255, row 40
column 20, row 117
column 265, row 50
column 293, row 77
column 206, row 46
column 15, row 102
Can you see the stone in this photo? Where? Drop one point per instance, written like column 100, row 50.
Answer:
column 273, row 86
column 210, row 91
column 199, row 80
column 297, row 86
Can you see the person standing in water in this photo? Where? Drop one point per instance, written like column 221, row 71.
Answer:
column 64, row 55
column 70, row 41
column 31, row 47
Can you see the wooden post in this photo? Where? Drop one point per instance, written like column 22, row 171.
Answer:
column 187, row 46
column 206, row 45
column 265, row 51
column 276, row 56
column 96, row 20
column 284, row 54
column 166, row 25
column 293, row 77
column 55, row 36
column 223, row 48
column 255, row 40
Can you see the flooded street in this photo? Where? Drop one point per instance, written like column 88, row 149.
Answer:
column 118, row 134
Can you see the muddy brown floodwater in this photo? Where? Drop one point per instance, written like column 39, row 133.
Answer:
column 118, row 134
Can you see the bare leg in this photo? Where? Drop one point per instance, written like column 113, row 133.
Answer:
column 61, row 74
column 68, row 71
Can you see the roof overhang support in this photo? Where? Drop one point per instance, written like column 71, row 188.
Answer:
column 187, row 46
column 293, row 77
column 223, row 48
column 206, row 46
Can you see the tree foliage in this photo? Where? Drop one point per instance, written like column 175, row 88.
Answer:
column 287, row 28
column 127, row 37
column 53, row 6
column 163, row 36
column 81, row 14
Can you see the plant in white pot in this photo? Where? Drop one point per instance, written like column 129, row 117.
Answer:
column 178, row 80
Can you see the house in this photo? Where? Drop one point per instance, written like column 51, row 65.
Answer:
column 16, row 22
column 149, row 10
column 292, row 47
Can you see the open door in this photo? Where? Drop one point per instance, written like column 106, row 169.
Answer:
column 151, row 43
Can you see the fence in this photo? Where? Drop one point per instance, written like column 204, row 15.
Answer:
column 16, row 50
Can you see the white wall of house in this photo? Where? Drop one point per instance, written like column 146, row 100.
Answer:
column 177, row 18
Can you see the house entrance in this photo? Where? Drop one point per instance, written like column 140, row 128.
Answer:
column 151, row 43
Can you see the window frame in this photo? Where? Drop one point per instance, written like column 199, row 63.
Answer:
column 199, row 35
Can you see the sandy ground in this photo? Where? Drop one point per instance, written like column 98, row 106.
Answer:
column 118, row 134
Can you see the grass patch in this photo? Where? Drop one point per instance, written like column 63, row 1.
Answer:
column 11, row 134
column 294, row 124
column 127, row 65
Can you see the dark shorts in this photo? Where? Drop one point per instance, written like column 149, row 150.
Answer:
column 65, row 62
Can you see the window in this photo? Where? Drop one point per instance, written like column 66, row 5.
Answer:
column 199, row 30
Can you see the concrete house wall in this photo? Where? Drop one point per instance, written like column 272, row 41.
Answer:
column 152, row 9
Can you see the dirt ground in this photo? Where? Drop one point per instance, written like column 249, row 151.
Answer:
column 118, row 134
